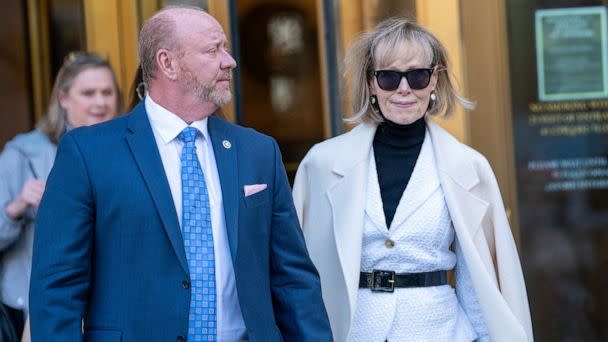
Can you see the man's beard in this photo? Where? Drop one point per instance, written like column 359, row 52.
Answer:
column 205, row 93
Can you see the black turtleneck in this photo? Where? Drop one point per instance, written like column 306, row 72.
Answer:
column 396, row 149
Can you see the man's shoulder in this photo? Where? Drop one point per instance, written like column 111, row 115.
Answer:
column 246, row 134
column 107, row 129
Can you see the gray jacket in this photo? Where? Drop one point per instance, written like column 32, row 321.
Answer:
column 27, row 156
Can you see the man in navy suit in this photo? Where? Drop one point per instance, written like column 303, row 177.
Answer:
column 169, row 223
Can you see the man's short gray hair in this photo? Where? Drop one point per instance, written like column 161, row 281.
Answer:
column 157, row 33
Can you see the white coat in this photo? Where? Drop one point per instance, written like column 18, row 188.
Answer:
column 330, row 197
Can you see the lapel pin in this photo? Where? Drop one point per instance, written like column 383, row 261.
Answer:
column 226, row 144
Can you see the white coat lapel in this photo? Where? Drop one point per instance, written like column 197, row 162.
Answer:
column 347, row 199
column 420, row 186
column 457, row 176
column 373, row 205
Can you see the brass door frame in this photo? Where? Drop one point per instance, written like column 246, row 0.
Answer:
column 221, row 11
column 487, row 81
column 40, row 57
column 111, row 31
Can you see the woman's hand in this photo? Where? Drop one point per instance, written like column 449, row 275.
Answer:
column 30, row 196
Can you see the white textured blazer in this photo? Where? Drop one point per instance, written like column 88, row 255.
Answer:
column 330, row 195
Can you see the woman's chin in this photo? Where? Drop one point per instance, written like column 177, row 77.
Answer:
column 404, row 118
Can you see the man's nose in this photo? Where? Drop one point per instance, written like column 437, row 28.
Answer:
column 228, row 61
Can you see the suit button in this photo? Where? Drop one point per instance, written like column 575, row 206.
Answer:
column 186, row 283
column 389, row 243
column 181, row 338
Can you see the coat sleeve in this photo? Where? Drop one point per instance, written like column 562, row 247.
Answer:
column 508, row 266
column 13, row 166
column 61, row 266
column 295, row 285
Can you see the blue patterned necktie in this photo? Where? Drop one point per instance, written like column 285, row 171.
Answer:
column 198, row 242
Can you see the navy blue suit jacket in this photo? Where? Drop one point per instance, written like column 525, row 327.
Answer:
column 108, row 247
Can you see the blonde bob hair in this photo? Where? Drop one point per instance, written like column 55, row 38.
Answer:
column 363, row 57
column 54, row 124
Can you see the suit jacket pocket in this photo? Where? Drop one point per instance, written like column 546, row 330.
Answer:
column 102, row 335
column 257, row 199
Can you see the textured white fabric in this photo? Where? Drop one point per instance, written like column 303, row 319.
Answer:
column 422, row 233
column 467, row 297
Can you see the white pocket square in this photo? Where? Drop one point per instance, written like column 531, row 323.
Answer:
column 253, row 189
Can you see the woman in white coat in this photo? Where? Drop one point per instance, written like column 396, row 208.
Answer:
column 390, row 207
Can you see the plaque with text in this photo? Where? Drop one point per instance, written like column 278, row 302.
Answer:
column 571, row 53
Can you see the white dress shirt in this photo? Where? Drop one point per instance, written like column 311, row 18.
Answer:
column 166, row 127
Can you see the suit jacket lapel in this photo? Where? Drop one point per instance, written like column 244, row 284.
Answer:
column 224, row 148
column 458, row 177
column 347, row 199
column 142, row 144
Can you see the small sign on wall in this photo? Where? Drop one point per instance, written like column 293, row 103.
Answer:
column 571, row 57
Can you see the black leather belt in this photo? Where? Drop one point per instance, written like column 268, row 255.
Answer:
column 387, row 281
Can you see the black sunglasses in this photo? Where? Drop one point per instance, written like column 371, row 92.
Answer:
column 416, row 78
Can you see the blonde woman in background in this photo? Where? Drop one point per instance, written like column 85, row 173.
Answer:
column 390, row 207
column 85, row 93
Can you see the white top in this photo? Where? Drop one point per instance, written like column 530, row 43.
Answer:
column 422, row 233
column 166, row 127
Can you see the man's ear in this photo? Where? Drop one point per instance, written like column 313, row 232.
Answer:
column 167, row 63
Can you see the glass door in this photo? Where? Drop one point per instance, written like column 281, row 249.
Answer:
column 281, row 75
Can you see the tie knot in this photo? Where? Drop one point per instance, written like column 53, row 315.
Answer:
column 188, row 135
